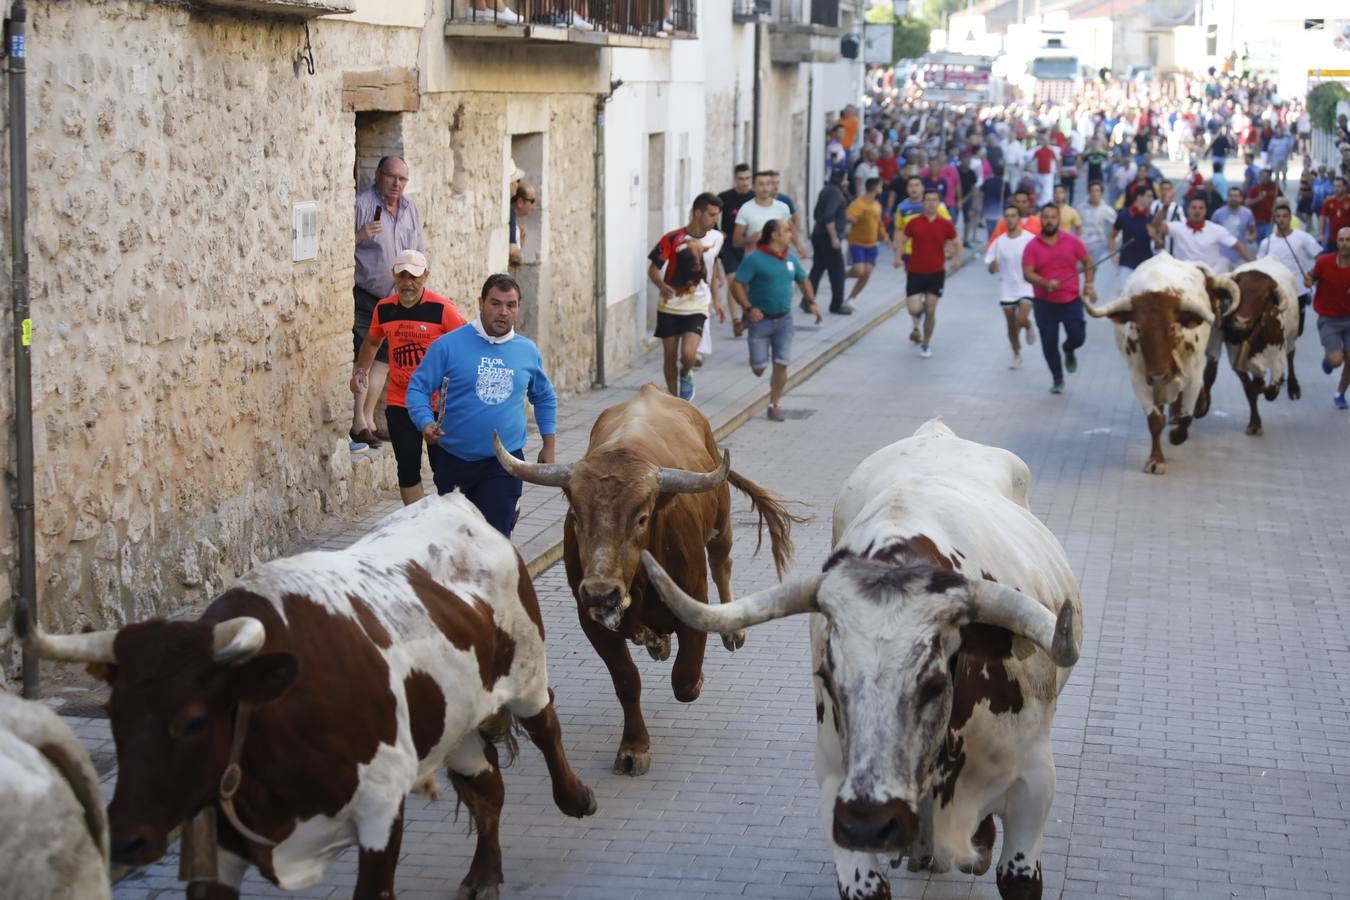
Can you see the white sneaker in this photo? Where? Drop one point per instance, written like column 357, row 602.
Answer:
column 1016, row 361
column 580, row 23
column 499, row 17
column 924, row 351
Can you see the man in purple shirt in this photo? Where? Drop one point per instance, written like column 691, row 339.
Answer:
column 387, row 223
column 1050, row 263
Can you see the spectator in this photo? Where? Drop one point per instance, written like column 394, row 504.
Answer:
column 1239, row 221
column 1069, row 219
column 827, row 237
column 1098, row 220
column 763, row 290
column 683, row 266
column 482, row 375
column 1277, row 155
column 1168, row 207
column 1134, row 223
column 523, row 202
column 864, row 234
column 410, row 321
column 752, row 217
column 732, row 200
column 972, row 175
column 992, row 190
column 1050, row 263
column 865, row 170
column 1331, row 275
column 1045, row 162
column 387, row 223
column 793, row 215
column 836, row 155
column 1335, row 214
column 1304, row 198
column 848, row 120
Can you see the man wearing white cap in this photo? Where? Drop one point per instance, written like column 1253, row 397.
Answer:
column 387, row 223
column 409, row 321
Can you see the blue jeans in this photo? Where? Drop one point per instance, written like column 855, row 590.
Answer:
column 1049, row 316
column 1262, row 231
column 770, row 338
column 487, row 485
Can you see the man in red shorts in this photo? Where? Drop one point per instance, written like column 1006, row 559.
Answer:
column 932, row 238
column 410, row 320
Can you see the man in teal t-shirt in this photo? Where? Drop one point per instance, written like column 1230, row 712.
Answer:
column 763, row 288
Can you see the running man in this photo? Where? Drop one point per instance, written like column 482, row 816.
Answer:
column 933, row 239
column 682, row 265
column 1200, row 240
column 1331, row 274
column 1004, row 258
column 1050, row 263
column 864, row 234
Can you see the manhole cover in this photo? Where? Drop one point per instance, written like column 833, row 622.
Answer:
column 798, row 413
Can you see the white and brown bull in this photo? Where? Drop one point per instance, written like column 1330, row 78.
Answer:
column 1259, row 332
column 651, row 479
column 945, row 624
column 289, row 722
column 1164, row 319
column 54, row 834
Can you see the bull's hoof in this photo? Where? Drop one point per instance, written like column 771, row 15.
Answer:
column 427, row 786
column 579, row 804
column 632, row 762
column 689, row 693
column 1272, row 392
column 1202, row 405
column 1295, row 391
column 479, row 892
column 1177, row 436
column 734, row 641
column 1155, row 467
column 1254, row 429
column 658, row 648
column 869, row 885
column 919, row 863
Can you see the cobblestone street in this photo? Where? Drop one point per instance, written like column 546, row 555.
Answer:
column 1203, row 741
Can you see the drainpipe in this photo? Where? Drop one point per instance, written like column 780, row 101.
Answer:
column 807, row 206
column 601, row 282
column 23, row 328
column 755, row 102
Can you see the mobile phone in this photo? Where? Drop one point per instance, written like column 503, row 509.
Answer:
column 378, row 210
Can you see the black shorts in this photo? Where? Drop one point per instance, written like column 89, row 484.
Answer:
column 408, row 442
column 924, row 283
column 1013, row 304
column 1305, row 206
column 675, row 324
column 363, row 310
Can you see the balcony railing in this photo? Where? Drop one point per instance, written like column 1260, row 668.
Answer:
column 576, row 19
column 825, row 12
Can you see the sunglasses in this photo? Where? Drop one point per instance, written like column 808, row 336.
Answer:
column 528, row 199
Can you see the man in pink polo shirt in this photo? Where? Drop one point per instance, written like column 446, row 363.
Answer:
column 1050, row 263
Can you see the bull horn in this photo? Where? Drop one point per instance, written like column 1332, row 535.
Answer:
column 235, row 640
column 92, row 647
column 1100, row 312
column 547, row 474
column 786, row 599
column 1225, row 285
column 682, row 481
column 996, row 604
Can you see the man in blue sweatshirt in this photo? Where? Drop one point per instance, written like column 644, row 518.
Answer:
column 487, row 371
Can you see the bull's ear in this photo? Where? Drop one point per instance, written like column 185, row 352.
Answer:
column 264, row 678
column 104, row 672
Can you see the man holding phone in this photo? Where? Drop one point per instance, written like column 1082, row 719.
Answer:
column 387, row 223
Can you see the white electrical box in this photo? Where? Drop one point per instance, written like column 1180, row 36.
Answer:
column 305, row 230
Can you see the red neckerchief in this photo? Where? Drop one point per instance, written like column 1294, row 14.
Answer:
column 764, row 248
column 1196, row 228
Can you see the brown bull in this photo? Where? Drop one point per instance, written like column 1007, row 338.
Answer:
column 650, row 480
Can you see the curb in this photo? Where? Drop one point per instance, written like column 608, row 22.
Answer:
column 550, row 556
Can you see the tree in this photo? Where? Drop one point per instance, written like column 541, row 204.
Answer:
column 910, row 38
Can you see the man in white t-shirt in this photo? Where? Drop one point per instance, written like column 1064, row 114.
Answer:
column 683, row 265
column 1199, row 240
column 1004, row 258
column 752, row 216
column 1296, row 250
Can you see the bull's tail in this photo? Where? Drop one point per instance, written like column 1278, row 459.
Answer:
column 773, row 513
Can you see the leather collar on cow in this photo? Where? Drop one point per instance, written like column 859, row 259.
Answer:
column 233, row 775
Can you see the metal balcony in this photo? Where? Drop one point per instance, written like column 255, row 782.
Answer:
column 747, row 11
column 595, row 23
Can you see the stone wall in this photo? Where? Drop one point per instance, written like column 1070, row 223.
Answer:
column 190, row 380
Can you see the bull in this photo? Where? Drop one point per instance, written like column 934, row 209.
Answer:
column 54, row 842
column 1164, row 320
column 651, row 479
column 944, row 625
column 1259, row 333
column 291, row 719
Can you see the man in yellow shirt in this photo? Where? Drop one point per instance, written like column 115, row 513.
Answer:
column 1069, row 219
column 864, row 233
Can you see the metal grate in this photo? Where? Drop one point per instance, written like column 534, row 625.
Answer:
column 635, row 17
column 825, row 12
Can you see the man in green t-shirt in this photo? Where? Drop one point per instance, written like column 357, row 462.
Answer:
column 763, row 289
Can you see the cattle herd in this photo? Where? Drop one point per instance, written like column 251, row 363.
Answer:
column 1173, row 320
column 291, row 720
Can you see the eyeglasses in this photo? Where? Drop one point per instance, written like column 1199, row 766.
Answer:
column 528, row 199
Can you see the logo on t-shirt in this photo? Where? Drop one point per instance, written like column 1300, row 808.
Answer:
column 495, row 380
